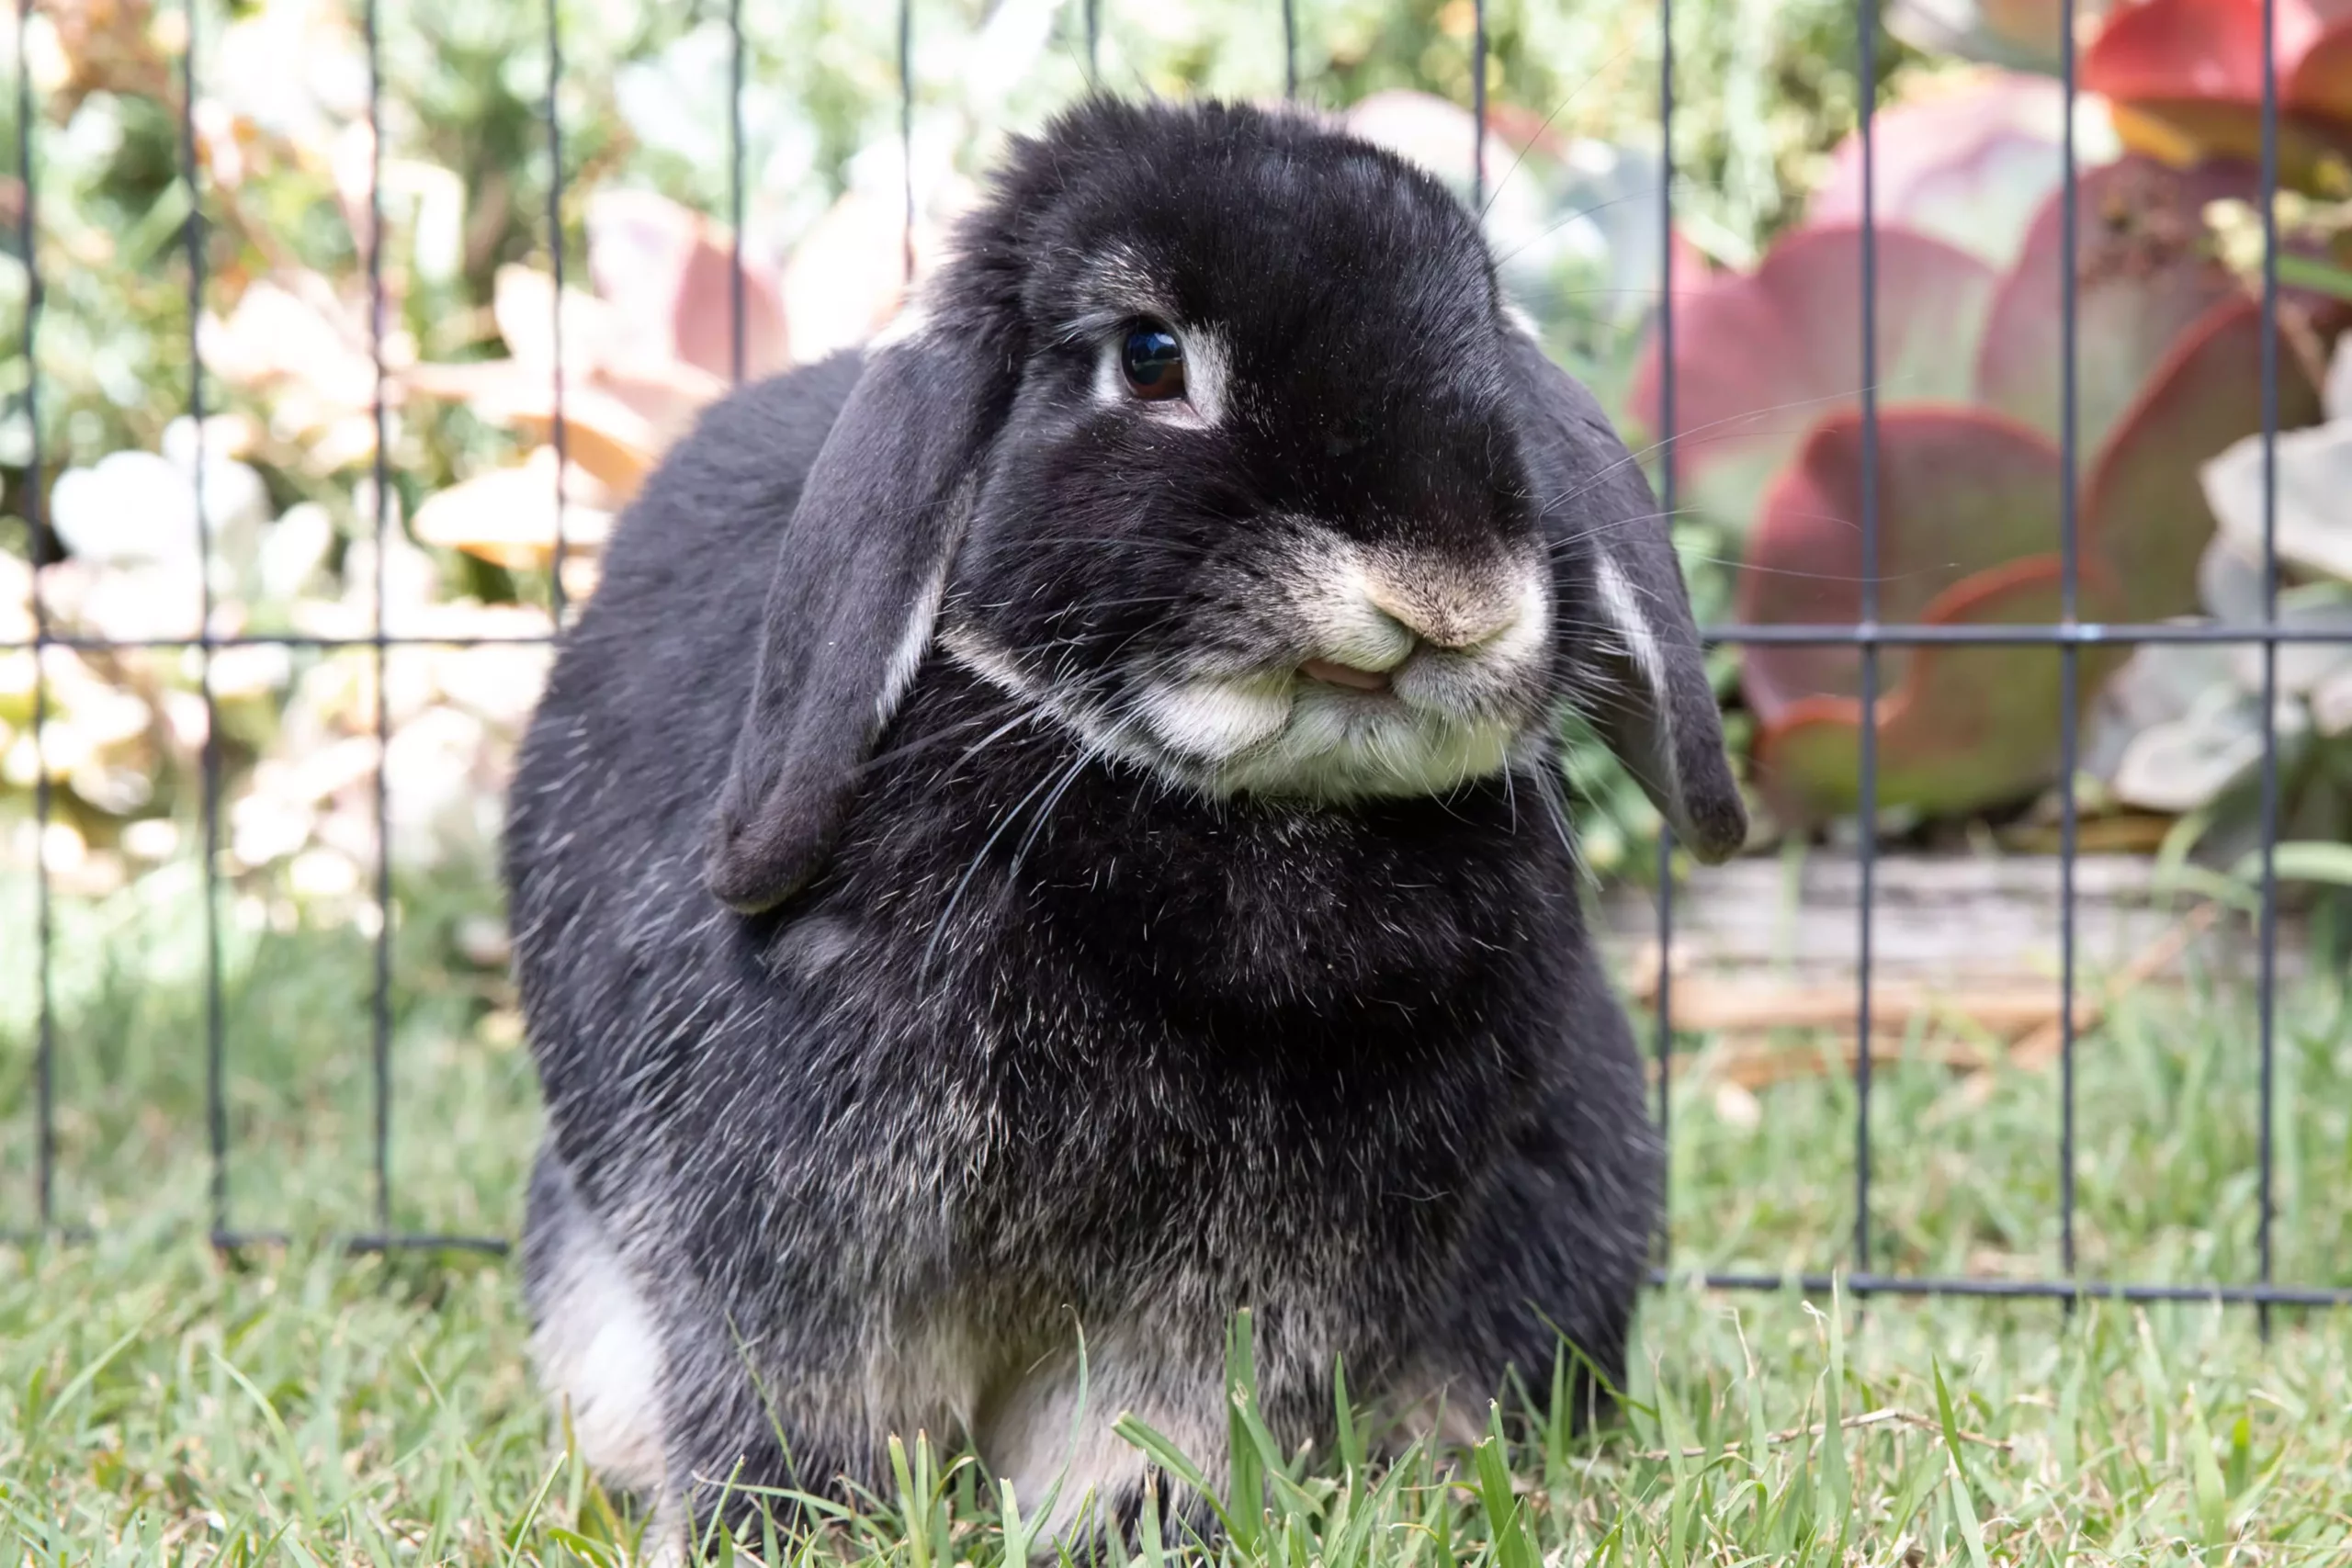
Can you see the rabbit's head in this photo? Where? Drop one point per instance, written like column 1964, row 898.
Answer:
column 1215, row 442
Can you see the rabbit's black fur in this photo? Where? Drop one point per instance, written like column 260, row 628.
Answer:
column 1029, row 1013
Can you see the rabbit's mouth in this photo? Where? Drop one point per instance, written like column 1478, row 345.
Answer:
column 1331, row 672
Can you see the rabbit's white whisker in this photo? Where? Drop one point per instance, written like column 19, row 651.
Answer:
column 1086, row 754
column 946, row 921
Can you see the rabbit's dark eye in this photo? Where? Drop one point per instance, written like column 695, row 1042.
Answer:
column 1154, row 363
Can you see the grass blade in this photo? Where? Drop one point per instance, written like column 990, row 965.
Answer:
column 1963, row 1501
column 1245, row 1504
column 1350, row 1441
column 1505, row 1525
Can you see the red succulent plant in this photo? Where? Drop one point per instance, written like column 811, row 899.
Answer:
column 2184, row 78
column 1969, row 479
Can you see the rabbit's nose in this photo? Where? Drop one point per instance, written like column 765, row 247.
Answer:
column 1451, row 619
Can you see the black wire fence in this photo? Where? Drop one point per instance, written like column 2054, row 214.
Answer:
column 1869, row 636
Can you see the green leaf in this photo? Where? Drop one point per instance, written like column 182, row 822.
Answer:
column 1963, row 1501
column 1351, row 1442
column 39, row 1414
column 1833, row 1413
column 1017, row 1530
column 917, row 1546
column 2300, row 860
column 1149, row 1554
column 1507, row 1528
column 2310, row 272
column 1246, row 1502
column 601, row 1553
column 2241, row 1470
column 2156, row 1387
column 2205, row 1477
column 1171, row 1458
column 297, row 1473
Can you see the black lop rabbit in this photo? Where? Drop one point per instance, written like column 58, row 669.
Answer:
column 1051, row 828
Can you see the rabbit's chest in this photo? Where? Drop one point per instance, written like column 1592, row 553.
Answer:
column 1093, row 1154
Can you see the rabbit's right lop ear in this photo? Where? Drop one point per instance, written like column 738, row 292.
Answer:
column 858, row 577
column 1658, row 711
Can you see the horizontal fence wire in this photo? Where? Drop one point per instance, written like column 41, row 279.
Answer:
column 1867, row 636
column 1799, row 635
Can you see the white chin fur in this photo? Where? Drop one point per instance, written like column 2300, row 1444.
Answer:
column 1328, row 745
column 1207, row 721
column 1273, row 736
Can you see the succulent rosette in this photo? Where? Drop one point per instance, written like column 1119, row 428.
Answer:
column 1969, row 474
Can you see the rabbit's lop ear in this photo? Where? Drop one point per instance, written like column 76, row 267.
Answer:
column 858, row 577
column 1657, row 710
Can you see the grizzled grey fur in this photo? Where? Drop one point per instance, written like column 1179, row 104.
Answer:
column 921, row 972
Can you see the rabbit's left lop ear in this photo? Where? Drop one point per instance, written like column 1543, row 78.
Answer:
column 856, row 584
column 1658, row 711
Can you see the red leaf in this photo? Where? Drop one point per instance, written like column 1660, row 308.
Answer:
column 1965, row 727
column 2145, row 275
column 2322, row 84
column 2195, row 67
column 1970, row 167
column 1761, row 358
column 2192, row 50
column 2144, row 515
column 1960, row 492
column 672, row 274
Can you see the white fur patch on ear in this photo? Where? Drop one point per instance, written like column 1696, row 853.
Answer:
column 1623, row 610
column 906, row 659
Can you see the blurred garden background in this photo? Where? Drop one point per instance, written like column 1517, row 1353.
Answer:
column 242, row 233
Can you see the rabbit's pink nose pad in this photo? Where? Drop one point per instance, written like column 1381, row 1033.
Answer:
column 1451, row 622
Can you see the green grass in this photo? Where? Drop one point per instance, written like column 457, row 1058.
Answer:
column 159, row 1402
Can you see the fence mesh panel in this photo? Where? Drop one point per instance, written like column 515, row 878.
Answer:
column 1870, row 637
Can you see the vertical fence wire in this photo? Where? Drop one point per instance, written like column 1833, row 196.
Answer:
column 2265, row 1001
column 216, row 1100
column 1478, row 104
column 1866, row 28
column 556, row 602
column 907, row 130
column 735, row 185
column 380, row 1012
column 1664, row 436
column 2069, row 654
column 36, row 551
